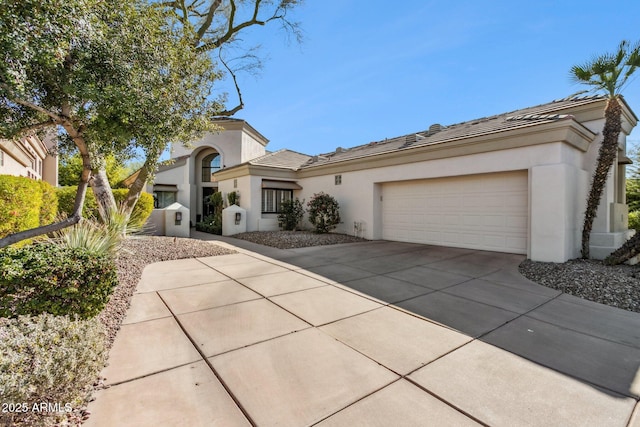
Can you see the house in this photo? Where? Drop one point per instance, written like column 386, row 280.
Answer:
column 31, row 157
column 514, row 182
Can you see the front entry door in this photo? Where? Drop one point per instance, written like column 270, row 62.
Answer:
column 207, row 209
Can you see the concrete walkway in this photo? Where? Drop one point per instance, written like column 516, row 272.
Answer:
column 375, row 333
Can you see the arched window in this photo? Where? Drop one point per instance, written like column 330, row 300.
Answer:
column 210, row 164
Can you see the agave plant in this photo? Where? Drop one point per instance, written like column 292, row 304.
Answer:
column 99, row 237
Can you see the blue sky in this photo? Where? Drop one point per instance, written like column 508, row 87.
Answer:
column 369, row 70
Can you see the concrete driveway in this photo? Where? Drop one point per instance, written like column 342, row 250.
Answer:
column 375, row 333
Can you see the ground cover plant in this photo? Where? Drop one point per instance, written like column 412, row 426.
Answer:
column 48, row 365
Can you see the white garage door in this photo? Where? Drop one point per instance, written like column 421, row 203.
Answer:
column 488, row 211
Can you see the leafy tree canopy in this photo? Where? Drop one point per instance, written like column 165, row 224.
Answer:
column 119, row 73
column 119, row 77
column 70, row 169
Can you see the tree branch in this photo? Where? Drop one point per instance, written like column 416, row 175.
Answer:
column 207, row 22
column 35, row 232
column 30, row 104
column 38, row 126
column 50, row 228
column 234, row 29
column 240, row 106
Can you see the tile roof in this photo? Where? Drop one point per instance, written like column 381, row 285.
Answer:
column 438, row 134
column 285, row 159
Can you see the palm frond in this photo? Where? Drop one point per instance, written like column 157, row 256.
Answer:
column 609, row 72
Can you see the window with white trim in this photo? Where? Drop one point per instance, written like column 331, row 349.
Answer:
column 272, row 199
column 162, row 199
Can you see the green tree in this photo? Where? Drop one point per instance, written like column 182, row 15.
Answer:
column 606, row 73
column 70, row 169
column 120, row 77
column 113, row 77
column 213, row 27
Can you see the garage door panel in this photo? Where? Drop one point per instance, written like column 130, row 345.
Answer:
column 487, row 211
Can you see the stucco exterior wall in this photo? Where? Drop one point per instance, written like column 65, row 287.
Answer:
column 248, row 200
column 29, row 157
column 250, row 149
column 557, row 186
column 558, row 156
column 234, row 146
column 227, row 143
column 12, row 167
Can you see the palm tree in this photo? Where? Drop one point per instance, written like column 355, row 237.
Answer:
column 606, row 73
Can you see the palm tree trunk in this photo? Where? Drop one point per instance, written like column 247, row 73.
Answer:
column 627, row 251
column 606, row 157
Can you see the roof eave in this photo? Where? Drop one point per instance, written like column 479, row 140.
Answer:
column 565, row 131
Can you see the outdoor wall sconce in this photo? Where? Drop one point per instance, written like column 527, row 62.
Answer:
column 238, row 216
column 178, row 218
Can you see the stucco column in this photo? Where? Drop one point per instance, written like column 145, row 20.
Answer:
column 557, row 197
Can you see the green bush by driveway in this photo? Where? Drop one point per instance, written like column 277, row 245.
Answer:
column 47, row 278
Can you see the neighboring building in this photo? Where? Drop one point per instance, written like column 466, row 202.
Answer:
column 515, row 182
column 30, row 157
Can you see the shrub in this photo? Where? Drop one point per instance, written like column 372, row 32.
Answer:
column 92, row 236
column 67, row 198
column 142, row 209
column 210, row 225
column 46, row 278
column 139, row 215
column 49, row 208
column 634, row 220
column 324, row 212
column 233, row 198
column 48, row 359
column 291, row 213
column 26, row 204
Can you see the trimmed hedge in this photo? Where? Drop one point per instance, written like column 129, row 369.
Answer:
column 67, row 198
column 141, row 211
column 48, row 359
column 26, row 204
column 49, row 208
column 47, row 278
column 634, row 220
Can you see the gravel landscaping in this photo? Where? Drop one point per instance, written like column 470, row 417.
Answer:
column 617, row 286
column 296, row 239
